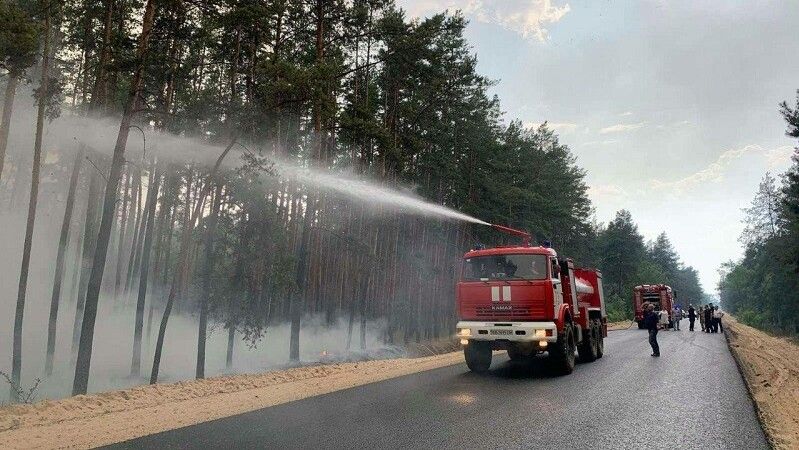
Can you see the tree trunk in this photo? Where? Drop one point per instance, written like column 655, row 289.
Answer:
column 123, row 221
column 136, row 233
column 206, row 289
column 168, row 244
column 89, row 245
column 231, row 336
column 59, row 263
column 142, row 229
column 16, row 358
column 298, row 303
column 100, row 90
column 163, row 211
column 5, row 124
column 81, row 381
column 76, row 262
column 183, row 258
column 152, row 196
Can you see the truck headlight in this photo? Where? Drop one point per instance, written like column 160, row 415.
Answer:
column 465, row 332
column 540, row 333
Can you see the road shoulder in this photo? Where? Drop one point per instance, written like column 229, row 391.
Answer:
column 100, row 419
column 770, row 366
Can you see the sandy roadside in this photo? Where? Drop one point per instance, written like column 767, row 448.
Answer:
column 99, row 419
column 623, row 325
column 771, row 368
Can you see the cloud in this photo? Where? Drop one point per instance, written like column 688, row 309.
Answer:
column 559, row 127
column 605, row 142
column 774, row 159
column 622, row 127
column 528, row 18
column 606, row 192
column 674, row 125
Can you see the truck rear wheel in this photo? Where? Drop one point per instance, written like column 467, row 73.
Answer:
column 588, row 347
column 561, row 353
column 478, row 356
column 600, row 343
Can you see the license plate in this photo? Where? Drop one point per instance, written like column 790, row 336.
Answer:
column 501, row 332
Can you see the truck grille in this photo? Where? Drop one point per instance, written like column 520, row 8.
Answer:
column 486, row 312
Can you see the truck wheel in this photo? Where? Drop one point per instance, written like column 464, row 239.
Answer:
column 562, row 352
column 587, row 348
column 600, row 342
column 478, row 356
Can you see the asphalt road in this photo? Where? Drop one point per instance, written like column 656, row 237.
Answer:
column 691, row 397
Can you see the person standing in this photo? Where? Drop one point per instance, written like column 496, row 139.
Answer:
column 702, row 318
column 664, row 318
column 691, row 317
column 717, row 315
column 676, row 314
column 708, row 318
column 651, row 321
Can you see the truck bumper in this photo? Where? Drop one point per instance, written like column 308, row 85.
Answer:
column 508, row 331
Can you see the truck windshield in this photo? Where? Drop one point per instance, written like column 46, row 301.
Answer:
column 505, row 267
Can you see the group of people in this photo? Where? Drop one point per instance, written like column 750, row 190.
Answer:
column 709, row 319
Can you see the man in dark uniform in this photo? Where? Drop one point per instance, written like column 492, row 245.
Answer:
column 651, row 323
column 709, row 318
column 691, row 317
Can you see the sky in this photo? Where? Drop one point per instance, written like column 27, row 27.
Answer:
column 670, row 106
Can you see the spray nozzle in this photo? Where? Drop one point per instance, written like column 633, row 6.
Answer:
column 526, row 237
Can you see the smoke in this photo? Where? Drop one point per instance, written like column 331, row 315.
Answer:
column 114, row 331
column 113, row 340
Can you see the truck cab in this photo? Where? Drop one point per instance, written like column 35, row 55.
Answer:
column 526, row 300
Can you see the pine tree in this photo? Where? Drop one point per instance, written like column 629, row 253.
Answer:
column 19, row 40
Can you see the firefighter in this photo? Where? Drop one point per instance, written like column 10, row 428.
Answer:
column 709, row 318
column 651, row 320
column 691, row 317
column 702, row 317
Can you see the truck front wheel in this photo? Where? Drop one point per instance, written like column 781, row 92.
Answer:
column 561, row 353
column 478, row 356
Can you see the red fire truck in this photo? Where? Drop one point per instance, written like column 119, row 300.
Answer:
column 658, row 294
column 526, row 300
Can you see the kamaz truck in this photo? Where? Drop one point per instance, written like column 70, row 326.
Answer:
column 526, row 300
column 659, row 295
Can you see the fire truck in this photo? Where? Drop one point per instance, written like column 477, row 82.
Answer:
column 526, row 300
column 658, row 294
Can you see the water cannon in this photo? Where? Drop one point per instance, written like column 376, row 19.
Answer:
column 526, row 237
